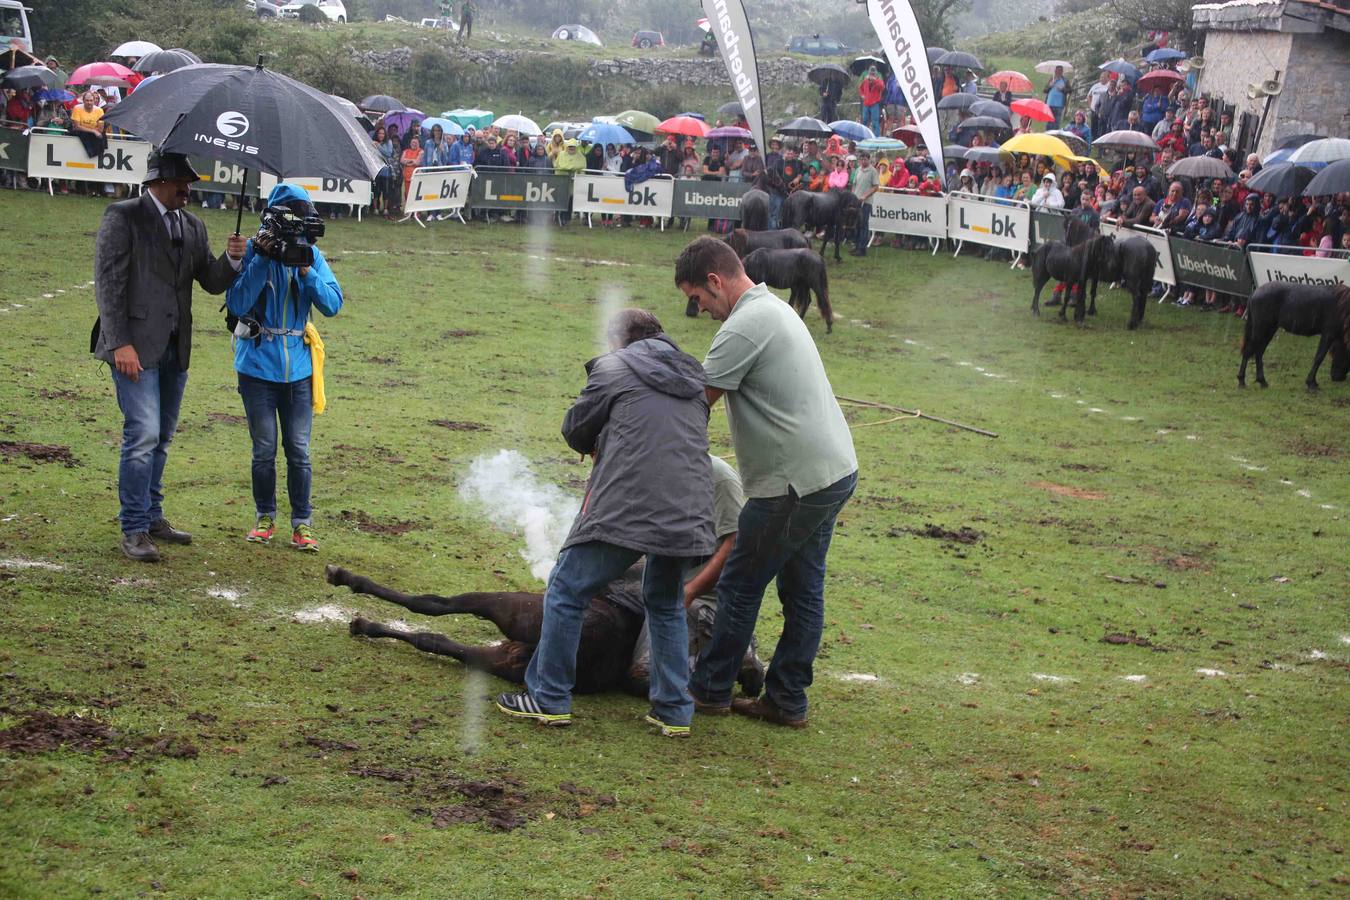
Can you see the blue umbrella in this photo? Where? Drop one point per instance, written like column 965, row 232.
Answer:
column 1121, row 68
column 882, row 144
column 57, row 95
column 604, row 133
column 694, row 115
column 1279, row 156
column 854, row 131
column 447, row 126
column 1164, row 54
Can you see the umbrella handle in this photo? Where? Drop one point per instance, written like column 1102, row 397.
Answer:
column 239, row 219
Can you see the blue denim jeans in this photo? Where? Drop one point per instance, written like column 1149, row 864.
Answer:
column 149, row 418
column 872, row 118
column 785, row 538
column 863, row 231
column 582, row 571
column 775, row 207
column 265, row 404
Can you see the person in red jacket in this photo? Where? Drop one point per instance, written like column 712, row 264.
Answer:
column 871, row 90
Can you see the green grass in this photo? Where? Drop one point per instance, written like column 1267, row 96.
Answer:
column 916, row 783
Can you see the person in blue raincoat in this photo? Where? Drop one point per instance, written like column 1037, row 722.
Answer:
column 278, row 380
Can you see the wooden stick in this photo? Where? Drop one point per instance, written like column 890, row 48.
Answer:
column 917, row 413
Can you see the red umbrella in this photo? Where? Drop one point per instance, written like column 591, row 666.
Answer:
column 907, row 133
column 685, row 125
column 1159, row 78
column 103, row 74
column 1011, row 81
column 1031, row 108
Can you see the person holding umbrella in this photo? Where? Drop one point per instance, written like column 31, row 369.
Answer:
column 1056, row 91
column 831, row 89
column 871, row 90
column 144, row 331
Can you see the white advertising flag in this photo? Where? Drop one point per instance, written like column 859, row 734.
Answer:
column 732, row 29
column 905, row 50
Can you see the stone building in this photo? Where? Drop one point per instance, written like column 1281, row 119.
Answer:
column 1301, row 45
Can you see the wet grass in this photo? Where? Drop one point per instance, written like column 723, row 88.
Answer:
column 1133, row 494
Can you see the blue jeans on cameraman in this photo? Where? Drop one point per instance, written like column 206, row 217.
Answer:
column 582, row 571
column 267, row 403
column 785, row 538
column 149, row 418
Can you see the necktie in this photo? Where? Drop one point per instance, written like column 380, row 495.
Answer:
column 175, row 228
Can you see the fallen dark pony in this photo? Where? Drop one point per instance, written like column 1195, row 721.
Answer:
column 1301, row 309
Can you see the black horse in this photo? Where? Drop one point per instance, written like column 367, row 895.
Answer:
column 801, row 272
column 834, row 211
column 1301, row 309
column 746, row 242
column 1073, row 266
column 755, row 210
column 1131, row 263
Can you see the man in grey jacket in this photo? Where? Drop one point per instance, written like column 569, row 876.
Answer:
column 643, row 416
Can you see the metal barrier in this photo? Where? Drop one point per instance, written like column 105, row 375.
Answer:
column 435, row 188
column 905, row 211
column 991, row 221
column 604, row 193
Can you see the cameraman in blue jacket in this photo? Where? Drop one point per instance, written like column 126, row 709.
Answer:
column 272, row 355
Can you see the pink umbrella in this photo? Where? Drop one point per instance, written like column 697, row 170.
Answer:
column 103, row 74
column 1032, row 108
column 1159, row 78
column 684, row 125
column 1010, row 80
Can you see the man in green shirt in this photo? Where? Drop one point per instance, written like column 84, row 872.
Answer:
column 798, row 468
column 866, row 180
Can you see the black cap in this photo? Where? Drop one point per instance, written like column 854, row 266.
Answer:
column 168, row 167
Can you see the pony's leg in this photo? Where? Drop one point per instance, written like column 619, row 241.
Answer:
column 506, row 660
column 1038, row 281
column 519, row 616
column 823, row 302
column 1260, row 351
column 1322, row 347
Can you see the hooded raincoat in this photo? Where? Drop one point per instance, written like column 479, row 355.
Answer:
column 285, row 298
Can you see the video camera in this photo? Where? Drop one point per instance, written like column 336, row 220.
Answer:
column 289, row 237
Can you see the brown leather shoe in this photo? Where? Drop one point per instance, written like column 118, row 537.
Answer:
column 139, row 547
column 763, row 708
column 710, row 709
column 161, row 530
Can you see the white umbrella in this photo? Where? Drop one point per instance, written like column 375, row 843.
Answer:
column 136, row 49
column 1047, row 67
column 518, row 123
column 1327, row 150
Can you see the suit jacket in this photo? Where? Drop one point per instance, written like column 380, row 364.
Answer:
column 143, row 285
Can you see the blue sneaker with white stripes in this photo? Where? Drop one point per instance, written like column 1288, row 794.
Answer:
column 523, row 706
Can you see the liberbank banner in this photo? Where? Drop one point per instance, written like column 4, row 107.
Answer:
column 603, row 193
column 63, row 156
column 1164, row 271
column 1327, row 271
column 526, row 189
column 347, row 191
column 894, row 212
column 438, row 187
column 13, row 150
column 1212, row 266
column 985, row 220
column 709, row 199
column 223, row 178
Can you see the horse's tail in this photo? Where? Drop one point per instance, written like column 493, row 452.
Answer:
column 1343, row 310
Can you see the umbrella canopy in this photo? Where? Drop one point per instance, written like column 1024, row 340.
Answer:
column 1296, row 140
column 402, row 119
column 805, row 126
column 520, row 124
column 251, row 117
column 959, row 100
column 881, row 144
column 55, row 95
column 860, row 65
column 102, row 73
column 990, row 108
column 1334, row 179
column 1031, row 108
column 1120, row 67
column 1159, row 78
column 637, row 120
column 1087, row 159
column 1009, row 80
column 448, row 127
column 984, row 122
column 1037, row 145
column 1126, row 140
column 382, row 103
column 1165, row 54
column 1075, row 141
column 478, row 118
column 344, row 104
column 1320, row 152
column 954, row 151
column 958, row 59
column 731, row 109
column 1281, row 179
column 1279, row 156
column 907, row 134
column 1202, row 167
column 165, row 61
column 730, row 131
column 991, row 155
column 30, row 77
column 829, row 72
column 604, row 133
column 687, row 126
column 934, row 54
column 135, row 49
column 854, row 131
column 1048, row 66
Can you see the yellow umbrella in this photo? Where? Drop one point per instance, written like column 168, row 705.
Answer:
column 1039, row 144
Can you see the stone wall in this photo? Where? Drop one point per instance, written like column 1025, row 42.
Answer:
column 1236, row 59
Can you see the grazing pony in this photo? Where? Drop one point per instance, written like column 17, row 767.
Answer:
column 755, row 210
column 746, row 242
column 1302, row 309
column 1071, row 265
column 801, row 272
column 1132, row 263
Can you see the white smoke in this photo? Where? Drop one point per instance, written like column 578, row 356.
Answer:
column 514, row 499
column 612, row 298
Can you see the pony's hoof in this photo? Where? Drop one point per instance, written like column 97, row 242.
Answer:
column 333, row 574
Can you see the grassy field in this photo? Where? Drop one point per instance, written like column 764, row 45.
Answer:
column 971, row 730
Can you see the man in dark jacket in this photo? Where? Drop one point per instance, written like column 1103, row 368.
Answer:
column 146, row 256
column 1246, row 228
column 643, row 417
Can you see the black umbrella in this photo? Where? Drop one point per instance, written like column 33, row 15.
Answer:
column 959, row 100
column 1334, row 179
column 250, row 117
column 829, row 72
column 806, row 127
column 1297, row 140
column 935, row 53
column 990, row 108
column 1282, row 179
column 166, row 61
column 958, row 59
column 31, row 77
column 731, row 109
column 860, row 65
column 1206, row 167
column 382, row 103
column 984, row 122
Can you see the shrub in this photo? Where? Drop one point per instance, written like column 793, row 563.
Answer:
column 311, row 15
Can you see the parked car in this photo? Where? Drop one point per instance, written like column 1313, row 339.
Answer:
column 442, row 22
column 818, row 45
column 646, row 40
column 264, row 9
column 333, row 9
column 14, row 30
column 576, row 33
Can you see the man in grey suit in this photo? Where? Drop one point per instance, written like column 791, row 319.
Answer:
column 146, row 256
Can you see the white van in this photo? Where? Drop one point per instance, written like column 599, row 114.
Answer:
column 14, row 26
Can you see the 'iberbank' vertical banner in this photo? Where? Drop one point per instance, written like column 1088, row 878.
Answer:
column 905, row 50
column 732, row 29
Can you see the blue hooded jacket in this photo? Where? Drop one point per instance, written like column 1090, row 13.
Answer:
column 287, row 297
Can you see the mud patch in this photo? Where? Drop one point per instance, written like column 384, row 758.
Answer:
column 460, row 333
column 962, row 535
column 1131, row 639
column 39, row 452
column 1313, row 450
column 226, row 418
column 1083, row 467
column 40, row 731
column 1065, row 490
column 460, row 426
column 63, row 394
column 365, row 523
